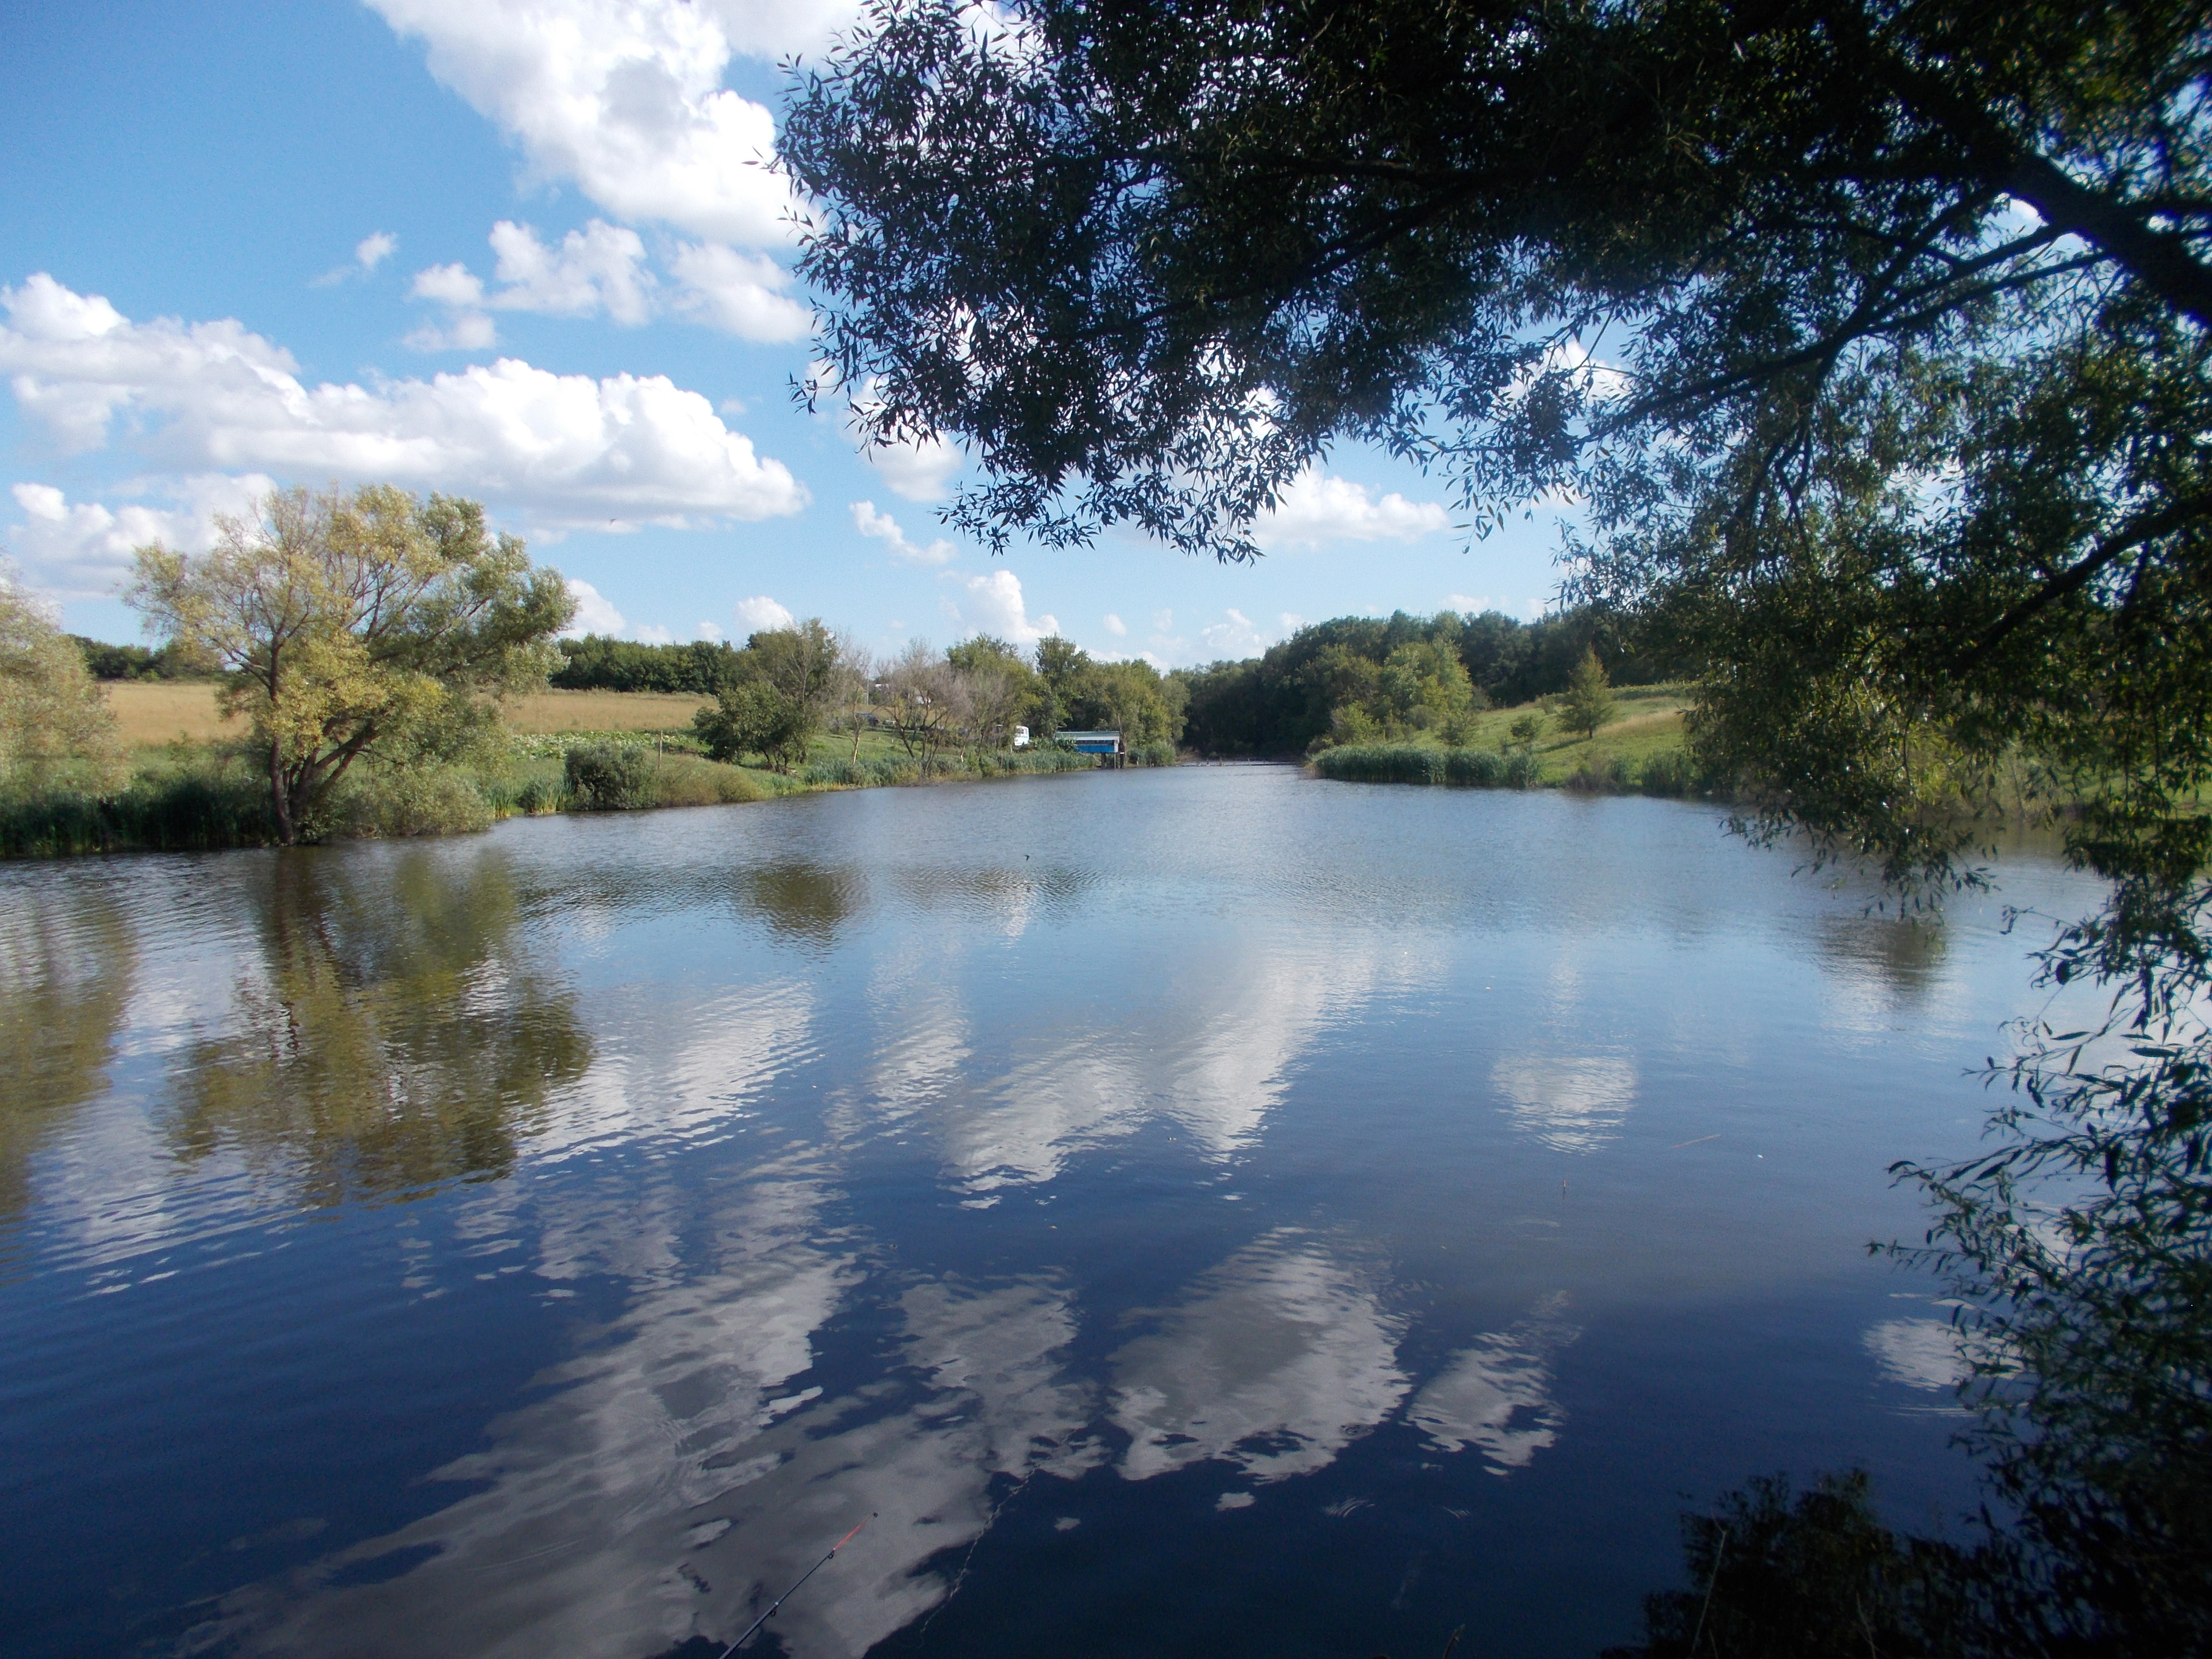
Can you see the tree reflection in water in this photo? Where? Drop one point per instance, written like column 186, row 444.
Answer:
column 397, row 1032
column 67, row 963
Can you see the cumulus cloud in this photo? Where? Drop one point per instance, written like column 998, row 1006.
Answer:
column 1115, row 626
column 82, row 549
column 627, row 101
column 881, row 526
column 595, row 612
column 760, row 614
column 994, row 606
column 600, row 268
column 740, row 294
column 563, row 450
column 1319, row 511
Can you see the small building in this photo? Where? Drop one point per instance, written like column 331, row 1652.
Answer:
column 1094, row 743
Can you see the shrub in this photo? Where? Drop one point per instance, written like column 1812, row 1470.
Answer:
column 1606, row 775
column 396, row 801
column 1669, row 772
column 605, row 777
column 687, row 781
column 1153, row 754
column 1521, row 770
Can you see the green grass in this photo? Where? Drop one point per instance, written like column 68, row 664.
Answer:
column 1642, row 748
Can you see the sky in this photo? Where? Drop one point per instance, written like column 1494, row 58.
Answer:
column 527, row 251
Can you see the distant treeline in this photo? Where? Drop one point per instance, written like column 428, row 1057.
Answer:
column 1300, row 692
column 173, row 661
column 595, row 663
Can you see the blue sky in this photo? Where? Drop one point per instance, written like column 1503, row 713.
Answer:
column 522, row 250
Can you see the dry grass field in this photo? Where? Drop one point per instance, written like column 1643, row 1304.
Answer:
column 603, row 711
column 154, row 712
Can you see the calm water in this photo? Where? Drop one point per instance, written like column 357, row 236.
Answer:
column 1196, row 1213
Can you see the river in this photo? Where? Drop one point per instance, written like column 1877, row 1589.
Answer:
column 1203, row 1211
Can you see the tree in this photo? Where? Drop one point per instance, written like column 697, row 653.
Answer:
column 53, row 719
column 350, row 622
column 1742, row 279
column 748, row 718
column 1589, row 702
column 1871, row 340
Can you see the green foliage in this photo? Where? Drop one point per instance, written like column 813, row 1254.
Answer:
column 1526, row 730
column 1589, row 702
column 1408, row 763
column 392, row 801
column 173, row 661
column 596, row 663
column 54, row 726
column 347, row 622
column 1608, row 776
column 1131, row 697
column 2081, row 1249
column 750, row 718
column 192, row 801
column 606, row 777
column 1333, row 680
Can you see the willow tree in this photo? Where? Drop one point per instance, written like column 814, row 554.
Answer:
column 55, row 724
column 1868, row 339
column 344, row 622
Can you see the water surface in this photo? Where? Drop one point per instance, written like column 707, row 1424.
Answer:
column 1209, row 1211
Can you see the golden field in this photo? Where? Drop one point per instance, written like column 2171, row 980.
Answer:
column 154, row 712
column 603, row 711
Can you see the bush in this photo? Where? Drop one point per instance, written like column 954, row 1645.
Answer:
column 396, row 801
column 1520, row 769
column 687, row 781
column 1153, row 754
column 1606, row 775
column 1670, row 772
column 606, row 777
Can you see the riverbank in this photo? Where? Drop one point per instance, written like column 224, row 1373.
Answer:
column 206, row 796
column 1642, row 752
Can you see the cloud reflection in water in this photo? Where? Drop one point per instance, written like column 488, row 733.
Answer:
column 1281, row 1357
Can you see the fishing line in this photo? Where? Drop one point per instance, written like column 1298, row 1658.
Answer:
column 793, row 1590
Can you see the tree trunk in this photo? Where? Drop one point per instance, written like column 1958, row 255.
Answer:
column 280, row 799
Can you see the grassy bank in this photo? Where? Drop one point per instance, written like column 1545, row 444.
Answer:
column 1642, row 750
column 187, row 795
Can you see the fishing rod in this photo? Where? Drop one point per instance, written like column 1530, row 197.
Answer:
column 793, row 1590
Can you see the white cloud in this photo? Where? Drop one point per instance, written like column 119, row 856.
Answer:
column 707, row 631
column 369, row 253
column 595, row 612
column 740, row 294
column 601, row 266
column 1115, row 626
column 598, row 268
column 1163, row 620
column 652, row 634
column 919, row 471
column 996, row 606
column 1316, row 510
column 760, row 614
column 563, row 450
column 1237, row 635
column 881, row 526
column 627, row 101
column 82, row 549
